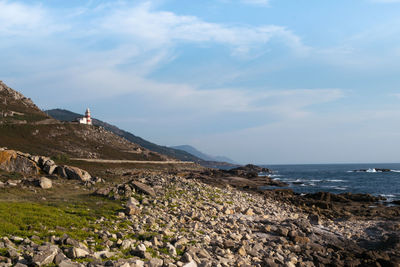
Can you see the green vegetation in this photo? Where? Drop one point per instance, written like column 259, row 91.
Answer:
column 75, row 219
column 61, row 159
column 154, row 253
column 10, row 175
column 179, row 252
column 164, row 251
column 3, row 252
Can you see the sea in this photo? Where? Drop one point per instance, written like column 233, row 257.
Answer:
column 341, row 178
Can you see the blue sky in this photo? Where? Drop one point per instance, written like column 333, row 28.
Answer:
column 259, row 81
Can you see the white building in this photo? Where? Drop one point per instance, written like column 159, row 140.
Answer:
column 87, row 119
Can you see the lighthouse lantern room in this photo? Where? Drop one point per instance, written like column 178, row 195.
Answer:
column 87, row 119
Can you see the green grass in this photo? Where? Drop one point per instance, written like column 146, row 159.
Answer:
column 179, row 252
column 25, row 219
column 3, row 252
column 152, row 252
column 164, row 251
column 10, row 175
column 61, row 159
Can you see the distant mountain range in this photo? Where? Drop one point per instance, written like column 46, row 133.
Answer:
column 177, row 153
column 203, row 156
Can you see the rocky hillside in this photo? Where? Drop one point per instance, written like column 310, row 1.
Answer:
column 15, row 108
column 68, row 116
column 24, row 127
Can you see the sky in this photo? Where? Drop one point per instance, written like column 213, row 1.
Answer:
column 259, row 81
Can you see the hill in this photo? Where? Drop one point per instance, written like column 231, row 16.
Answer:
column 194, row 151
column 15, row 108
column 66, row 115
column 24, row 127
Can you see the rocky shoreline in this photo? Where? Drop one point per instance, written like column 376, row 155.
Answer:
column 206, row 218
column 173, row 221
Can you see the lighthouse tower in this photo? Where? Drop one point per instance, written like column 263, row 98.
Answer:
column 87, row 116
column 87, row 119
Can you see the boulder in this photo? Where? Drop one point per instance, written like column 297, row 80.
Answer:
column 61, row 172
column 154, row 262
column 59, row 258
column 45, row 183
column 12, row 161
column 45, row 257
column 103, row 254
column 143, row 188
column 67, row 263
column 74, row 253
column 132, row 210
column 104, row 191
column 49, row 169
column 314, row 219
column 77, row 174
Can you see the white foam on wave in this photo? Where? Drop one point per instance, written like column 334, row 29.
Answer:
column 342, row 188
column 371, row 170
column 395, row 170
column 336, row 180
column 316, row 181
column 275, row 175
column 388, row 195
column 336, row 187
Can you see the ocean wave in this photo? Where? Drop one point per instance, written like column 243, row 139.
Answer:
column 374, row 170
column 275, row 175
column 336, row 187
column 387, row 195
column 340, row 188
column 335, row 180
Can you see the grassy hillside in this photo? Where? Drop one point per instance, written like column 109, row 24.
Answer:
column 65, row 115
column 73, row 140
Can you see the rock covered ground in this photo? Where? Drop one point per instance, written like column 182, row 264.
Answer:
column 168, row 220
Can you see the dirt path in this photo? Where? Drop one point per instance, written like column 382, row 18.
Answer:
column 133, row 161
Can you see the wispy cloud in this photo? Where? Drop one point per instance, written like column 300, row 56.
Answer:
column 256, row 2
column 385, row 1
column 161, row 28
column 19, row 18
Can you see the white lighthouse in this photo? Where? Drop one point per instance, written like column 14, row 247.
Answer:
column 87, row 119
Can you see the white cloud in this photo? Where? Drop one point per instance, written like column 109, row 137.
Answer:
column 256, row 2
column 18, row 19
column 162, row 28
column 386, row 1
column 15, row 16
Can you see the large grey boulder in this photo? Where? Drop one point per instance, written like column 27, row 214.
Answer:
column 75, row 253
column 45, row 183
column 45, row 257
column 143, row 188
column 49, row 167
column 12, row 161
column 66, row 263
column 60, row 170
column 154, row 262
column 77, row 174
